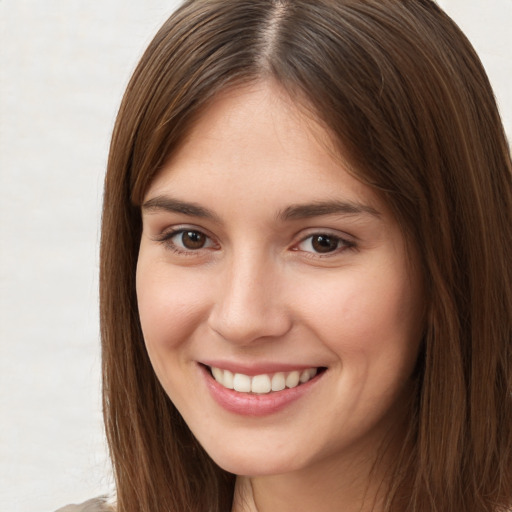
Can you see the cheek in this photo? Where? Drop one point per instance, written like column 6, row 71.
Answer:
column 169, row 306
column 371, row 315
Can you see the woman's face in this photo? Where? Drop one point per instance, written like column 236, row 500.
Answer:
column 266, row 267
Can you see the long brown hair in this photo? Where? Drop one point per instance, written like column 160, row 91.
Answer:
column 404, row 95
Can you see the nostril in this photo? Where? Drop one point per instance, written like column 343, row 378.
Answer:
column 243, row 329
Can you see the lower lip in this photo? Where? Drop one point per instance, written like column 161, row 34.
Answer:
column 248, row 404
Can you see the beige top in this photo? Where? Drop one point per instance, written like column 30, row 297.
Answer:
column 94, row 505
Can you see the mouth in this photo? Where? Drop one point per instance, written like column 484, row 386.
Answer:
column 265, row 383
column 257, row 394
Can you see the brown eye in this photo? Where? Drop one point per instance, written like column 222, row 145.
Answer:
column 187, row 241
column 193, row 240
column 324, row 243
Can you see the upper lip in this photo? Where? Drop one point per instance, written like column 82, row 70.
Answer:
column 256, row 368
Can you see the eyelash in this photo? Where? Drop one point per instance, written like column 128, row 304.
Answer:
column 166, row 239
column 342, row 243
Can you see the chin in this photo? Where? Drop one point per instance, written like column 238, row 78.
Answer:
column 257, row 461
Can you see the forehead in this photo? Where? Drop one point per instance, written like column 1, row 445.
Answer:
column 255, row 140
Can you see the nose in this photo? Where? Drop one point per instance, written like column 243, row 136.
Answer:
column 249, row 303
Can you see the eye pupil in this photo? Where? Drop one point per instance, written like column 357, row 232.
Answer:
column 324, row 243
column 193, row 239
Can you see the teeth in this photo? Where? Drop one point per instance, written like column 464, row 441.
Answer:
column 217, row 374
column 307, row 375
column 292, row 379
column 278, row 381
column 228, row 379
column 242, row 383
column 262, row 384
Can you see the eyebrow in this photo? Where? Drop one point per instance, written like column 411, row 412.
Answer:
column 172, row 205
column 317, row 209
column 292, row 212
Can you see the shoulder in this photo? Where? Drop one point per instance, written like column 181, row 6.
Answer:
column 94, row 505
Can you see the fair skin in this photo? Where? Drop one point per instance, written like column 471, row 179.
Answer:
column 261, row 255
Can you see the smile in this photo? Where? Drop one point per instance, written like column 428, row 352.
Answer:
column 264, row 383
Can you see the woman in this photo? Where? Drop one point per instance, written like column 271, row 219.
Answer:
column 305, row 265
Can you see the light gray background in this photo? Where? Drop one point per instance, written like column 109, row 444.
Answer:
column 63, row 67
